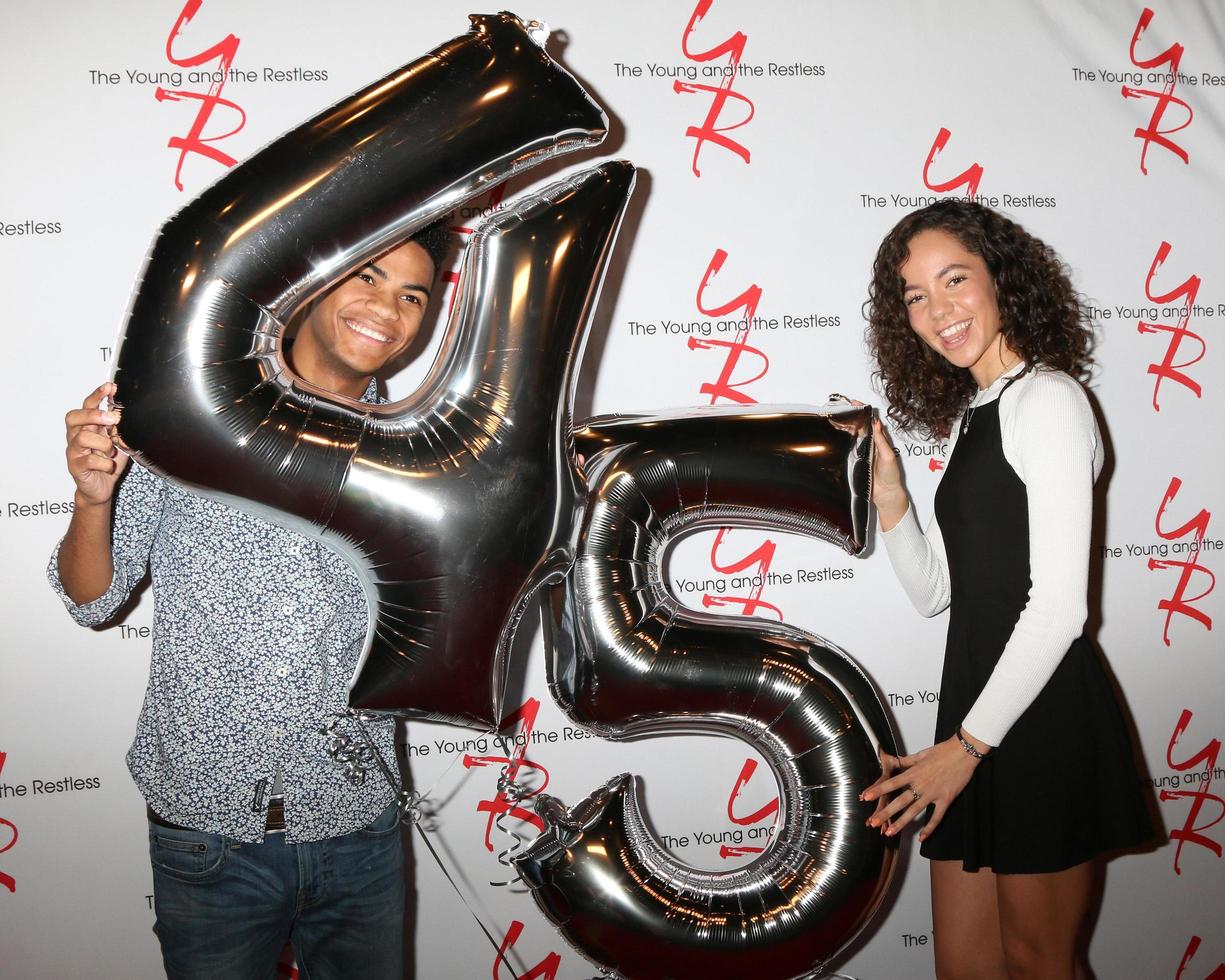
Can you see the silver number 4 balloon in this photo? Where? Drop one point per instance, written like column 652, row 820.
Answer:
column 457, row 505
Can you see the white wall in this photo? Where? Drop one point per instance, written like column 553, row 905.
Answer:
column 1024, row 92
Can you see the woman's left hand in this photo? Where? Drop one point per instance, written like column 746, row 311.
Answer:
column 932, row 777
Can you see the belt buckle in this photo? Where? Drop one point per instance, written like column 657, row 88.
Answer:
column 274, row 823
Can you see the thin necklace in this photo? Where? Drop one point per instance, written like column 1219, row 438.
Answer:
column 965, row 419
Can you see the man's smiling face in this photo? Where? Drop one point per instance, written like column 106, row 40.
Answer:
column 364, row 321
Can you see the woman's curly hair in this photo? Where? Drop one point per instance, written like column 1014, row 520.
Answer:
column 1041, row 316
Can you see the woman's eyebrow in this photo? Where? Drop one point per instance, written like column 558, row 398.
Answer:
column 939, row 275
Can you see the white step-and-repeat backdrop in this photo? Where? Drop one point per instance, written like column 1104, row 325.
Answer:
column 782, row 162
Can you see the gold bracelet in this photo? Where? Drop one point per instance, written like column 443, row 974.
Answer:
column 965, row 744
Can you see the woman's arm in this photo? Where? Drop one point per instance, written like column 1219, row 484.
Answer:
column 918, row 559
column 1050, row 438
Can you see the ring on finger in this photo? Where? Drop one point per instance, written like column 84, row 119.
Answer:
column 915, row 793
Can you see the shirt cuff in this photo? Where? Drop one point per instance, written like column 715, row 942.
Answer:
column 98, row 610
column 905, row 538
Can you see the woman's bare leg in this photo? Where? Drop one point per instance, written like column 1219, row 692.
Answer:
column 1041, row 917
column 966, row 923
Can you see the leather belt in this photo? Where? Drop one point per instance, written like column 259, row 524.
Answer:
column 156, row 818
column 274, row 823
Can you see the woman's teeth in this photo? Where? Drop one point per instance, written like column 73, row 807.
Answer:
column 954, row 332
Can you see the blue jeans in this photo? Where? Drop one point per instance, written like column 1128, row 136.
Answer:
column 225, row 908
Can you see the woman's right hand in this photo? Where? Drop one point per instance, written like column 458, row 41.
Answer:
column 94, row 462
column 888, row 489
column 889, row 765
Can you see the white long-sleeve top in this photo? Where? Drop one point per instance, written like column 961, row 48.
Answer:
column 1051, row 440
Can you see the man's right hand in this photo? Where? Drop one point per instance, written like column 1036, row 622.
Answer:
column 93, row 458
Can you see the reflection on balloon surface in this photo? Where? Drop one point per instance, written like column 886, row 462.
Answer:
column 454, row 504
column 457, row 504
column 627, row 660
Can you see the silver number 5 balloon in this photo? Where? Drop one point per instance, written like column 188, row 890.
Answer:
column 627, row 660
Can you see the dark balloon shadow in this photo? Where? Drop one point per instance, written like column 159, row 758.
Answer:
column 1094, row 622
column 588, row 368
column 1093, row 625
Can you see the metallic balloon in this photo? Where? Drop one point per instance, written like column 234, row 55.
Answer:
column 627, row 660
column 454, row 505
column 457, row 504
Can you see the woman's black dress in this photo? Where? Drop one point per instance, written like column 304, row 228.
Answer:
column 1063, row 785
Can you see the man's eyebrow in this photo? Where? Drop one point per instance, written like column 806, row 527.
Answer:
column 939, row 275
column 415, row 287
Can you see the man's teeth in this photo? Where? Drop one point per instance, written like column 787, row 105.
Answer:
column 367, row 332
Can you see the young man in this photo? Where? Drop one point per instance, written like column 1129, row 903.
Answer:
column 255, row 836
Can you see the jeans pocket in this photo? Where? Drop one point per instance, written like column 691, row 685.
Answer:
column 385, row 824
column 187, row 855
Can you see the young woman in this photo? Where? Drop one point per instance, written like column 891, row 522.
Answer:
column 980, row 337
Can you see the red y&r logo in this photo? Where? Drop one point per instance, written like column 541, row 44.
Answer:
column 1192, row 832
column 767, row 812
column 7, row 880
column 504, row 801
column 744, row 307
column 710, row 131
column 546, row 969
column 759, row 558
column 970, row 177
column 747, row 301
column 1169, row 369
column 1192, row 949
column 1179, row 603
column 195, row 141
column 1170, row 57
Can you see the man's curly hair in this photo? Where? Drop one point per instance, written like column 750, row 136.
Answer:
column 436, row 240
column 1041, row 316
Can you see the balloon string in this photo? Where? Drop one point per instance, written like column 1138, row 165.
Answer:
column 514, row 792
column 447, row 874
column 357, row 761
column 395, row 783
column 455, row 757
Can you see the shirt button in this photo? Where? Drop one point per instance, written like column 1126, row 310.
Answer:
column 275, row 731
column 282, row 672
column 294, row 549
column 287, row 608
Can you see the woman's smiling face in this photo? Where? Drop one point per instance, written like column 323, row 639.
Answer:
column 951, row 302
